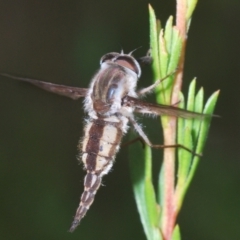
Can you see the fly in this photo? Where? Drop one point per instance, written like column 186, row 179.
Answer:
column 110, row 103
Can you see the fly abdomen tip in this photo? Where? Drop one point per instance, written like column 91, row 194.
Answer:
column 79, row 215
column 92, row 183
column 75, row 223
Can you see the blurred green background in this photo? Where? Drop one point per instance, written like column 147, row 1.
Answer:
column 62, row 42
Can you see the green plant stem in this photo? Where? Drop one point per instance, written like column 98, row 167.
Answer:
column 168, row 175
column 170, row 126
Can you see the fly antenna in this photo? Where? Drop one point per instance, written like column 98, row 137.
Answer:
column 134, row 50
column 122, row 52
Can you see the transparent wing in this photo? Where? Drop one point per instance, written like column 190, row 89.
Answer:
column 143, row 107
column 71, row 92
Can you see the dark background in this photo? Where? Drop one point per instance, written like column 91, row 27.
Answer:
column 62, row 42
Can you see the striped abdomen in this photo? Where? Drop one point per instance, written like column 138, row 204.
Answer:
column 99, row 147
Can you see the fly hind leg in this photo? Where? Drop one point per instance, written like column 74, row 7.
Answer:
column 137, row 139
column 147, row 141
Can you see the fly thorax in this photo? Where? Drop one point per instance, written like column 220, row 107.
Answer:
column 112, row 83
column 116, row 78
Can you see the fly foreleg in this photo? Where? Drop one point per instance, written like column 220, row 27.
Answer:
column 150, row 88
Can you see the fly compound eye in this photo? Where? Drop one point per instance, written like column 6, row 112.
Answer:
column 130, row 63
column 108, row 57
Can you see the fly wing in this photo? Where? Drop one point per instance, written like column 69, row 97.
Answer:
column 71, row 92
column 143, row 107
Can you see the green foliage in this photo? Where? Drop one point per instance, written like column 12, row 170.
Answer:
column 176, row 233
column 167, row 49
column 144, row 191
column 192, row 133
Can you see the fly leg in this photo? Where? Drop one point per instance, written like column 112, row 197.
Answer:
column 134, row 141
column 150, row 88
column 146, row 60
column 147, row 141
